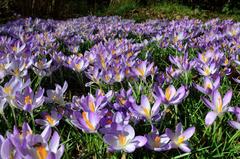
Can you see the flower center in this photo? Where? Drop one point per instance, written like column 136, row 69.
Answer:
column 219, row 105
column 41, row 152
column 122, row 101
column 122, row 139
column 180, row 140
column 157, row 141
column 7, row 90
column 28, row 100
column 168, row 93
column 50, row 120
column 141, row 71
column 146, row 112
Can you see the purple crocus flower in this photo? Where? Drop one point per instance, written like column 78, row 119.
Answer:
column 42, row 67
column 171, row 95
column 11, row 88
column 218, row 105
column 79, row 64
column 86, row 121
column 208, row 85
column 143, row 69
column 122, row 99
column 50, row 120
column 145, row 110
column 235, row 124
column 157, row 142
column 43, row 146
column 207, row 70
column 92, row 104
column 182, row 62
column 24, row 144
column 123, row 138
column 180, row 137
column 28, row 100
column 56, row 96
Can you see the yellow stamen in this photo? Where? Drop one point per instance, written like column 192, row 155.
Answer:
column 107, row 77
column 207, row 71
column 91, row 106
column 219, row 105
column 89, row 124
column 122, row 139
column 208, row 86
column 103, row 62
column 28, row 100
column 7, row 90
column 146, row 112
column 168, row 93
column 41, row 152
column 141, row 71
column 157, row 141
column 122, row 101
column 180, row 140
column 78, row 66
column 50, row 120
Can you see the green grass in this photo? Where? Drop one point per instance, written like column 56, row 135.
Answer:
column 163, row 10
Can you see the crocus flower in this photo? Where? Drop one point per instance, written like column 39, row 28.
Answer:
column 208, row 85
column 143, row 69
column 145, row 110
column 93, row 104
column 24, row 144
column 218, row 105
column 122, row 99
column 182, row 62
column 207, row 70
column 180, row 137
column 11, row 88
column 86, row 121
column 171, row 95
column 78, row 64
column 157, row 142
column 235, row 124
column 28, row 100
column 42, row 67
column 124, row 139
column 56, row 96
column 51, row 120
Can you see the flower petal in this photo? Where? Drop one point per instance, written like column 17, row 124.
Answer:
column 211, row 116
column 227, row 98
column 188, row 133
column 234, row 124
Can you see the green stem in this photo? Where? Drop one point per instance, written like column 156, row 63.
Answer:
column 5, row 119
column 176, row 111
column 14, row 115
column 186, row 77
column 124, row 155
column 33, row 121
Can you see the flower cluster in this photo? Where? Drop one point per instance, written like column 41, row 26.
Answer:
column 124, row 85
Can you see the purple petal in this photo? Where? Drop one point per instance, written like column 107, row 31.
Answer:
column 169, row 133
column 234, row 124
column 227, row 98
column 188, row 133
column 211, row 116
column 130, row 147
column 184, row 148
column 179, row 129
column 140, row 141
column 208, row 103
column 54, row 142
